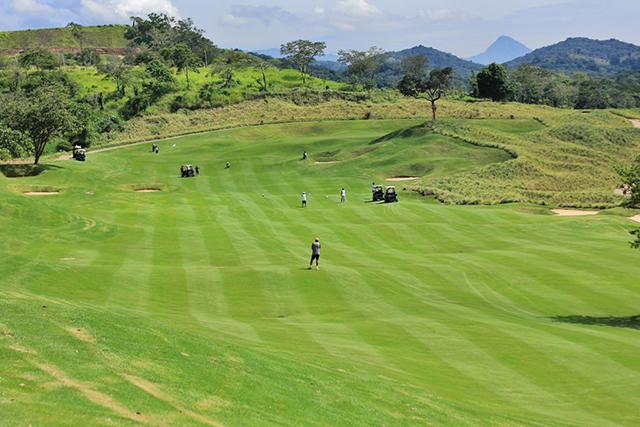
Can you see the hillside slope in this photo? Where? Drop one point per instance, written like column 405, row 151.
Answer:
column 106, row 37
column 604, row 57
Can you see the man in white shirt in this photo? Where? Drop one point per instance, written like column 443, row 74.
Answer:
column 343, row 195
column 304, row 199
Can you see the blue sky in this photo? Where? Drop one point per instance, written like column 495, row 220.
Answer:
column 463, row 27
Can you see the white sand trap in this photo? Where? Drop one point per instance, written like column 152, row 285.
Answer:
column 148, row 190
column 41, row 193
column 635, row 123
column 402, row 178
column 573, row 212
column 332, row 162
column 635, row 218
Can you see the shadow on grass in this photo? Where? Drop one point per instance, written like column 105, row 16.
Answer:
column 25, row 170
column 402, row 133
column 632, row 322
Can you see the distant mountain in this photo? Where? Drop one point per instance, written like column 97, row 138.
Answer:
column 504, row 49
column 391, row 71
column 602, row 57
column 462, row 68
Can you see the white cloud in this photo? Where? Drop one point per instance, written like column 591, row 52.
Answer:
column 31, row 7
column 123, row 9
column 266, row 15
column 357, row 9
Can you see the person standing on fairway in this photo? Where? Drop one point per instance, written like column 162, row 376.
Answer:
column 343, row 195
column 304, row 199
column 315, row 254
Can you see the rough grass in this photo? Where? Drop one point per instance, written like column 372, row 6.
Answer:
column 193, row 306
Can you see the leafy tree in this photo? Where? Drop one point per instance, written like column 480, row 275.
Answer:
column 262, row 81
column 184, row 59
column 303, row 53
column 159, row 31
column 636, row 243
column 228, row 63
column 160, row 80
column 431, row 87
column 13, row 143
column 493, row 83
column 88, row 57
column 39, row 58
column 41, row 115
column 415, row 65
column 362, row 65
column 146, row 32
column 77, row 31
column 40, row 79
column 119, row 73
column 630, row 177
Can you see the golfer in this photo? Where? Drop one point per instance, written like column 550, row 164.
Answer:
column 315, row 254
column 343, row 195
column 304, row 199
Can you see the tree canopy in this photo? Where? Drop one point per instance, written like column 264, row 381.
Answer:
column 303, row 53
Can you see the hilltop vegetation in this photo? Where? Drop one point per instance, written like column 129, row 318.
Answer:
column 104, row 37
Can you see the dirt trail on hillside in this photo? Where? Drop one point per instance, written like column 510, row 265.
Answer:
column 635, row 123
column 573, row 212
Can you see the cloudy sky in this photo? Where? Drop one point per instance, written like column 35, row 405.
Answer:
column 463, row 27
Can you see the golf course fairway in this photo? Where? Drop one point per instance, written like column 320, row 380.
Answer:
column 191, row 303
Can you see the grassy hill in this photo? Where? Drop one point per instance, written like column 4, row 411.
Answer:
column 107, row 37
column 563, row 157
column 605, row 57
column 193, row 305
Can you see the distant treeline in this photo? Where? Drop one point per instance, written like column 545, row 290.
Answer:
column 534, row 85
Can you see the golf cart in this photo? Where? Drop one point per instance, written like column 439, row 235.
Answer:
column 390, row 195
column 187, row 171
column 79, row 153
column 377, row 193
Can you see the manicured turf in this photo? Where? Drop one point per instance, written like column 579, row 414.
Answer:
column 193, row 305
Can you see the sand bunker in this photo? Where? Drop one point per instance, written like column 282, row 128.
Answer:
column 635, row 218
column 331, row 162
column 635, row 123
column 573, row 212
column 147, row 190
column 41, row 193
column 402, row 178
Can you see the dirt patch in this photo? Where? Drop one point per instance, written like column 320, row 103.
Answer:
column 574, row 212
column 41, row 193
column 147, row 190
column 329, row 162
column 402, row 178
column 81, row 334
column 88, row 391
column 154, row 391
column 635, row 218
column 635, row 123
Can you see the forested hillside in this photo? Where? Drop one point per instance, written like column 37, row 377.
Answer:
column 603, row 57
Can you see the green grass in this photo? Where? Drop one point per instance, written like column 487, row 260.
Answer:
column 105, row 36
column 192, row 306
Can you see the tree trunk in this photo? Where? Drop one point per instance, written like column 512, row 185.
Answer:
column 434, row 109
column 186, row 72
